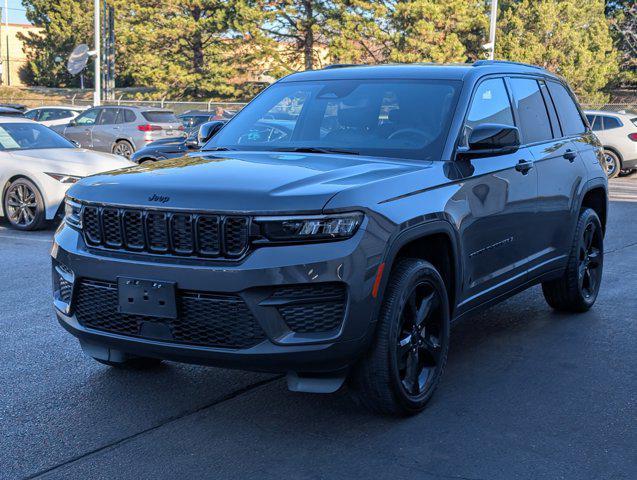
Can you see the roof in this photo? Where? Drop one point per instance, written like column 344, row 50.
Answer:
column 626, row 114
column 65, row 107
column 12, row 119
column 458, row 71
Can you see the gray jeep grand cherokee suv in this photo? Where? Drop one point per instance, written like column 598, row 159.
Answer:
column 336, row 227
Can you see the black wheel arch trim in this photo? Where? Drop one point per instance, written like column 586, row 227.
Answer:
column 592, row 184
column 414, row 232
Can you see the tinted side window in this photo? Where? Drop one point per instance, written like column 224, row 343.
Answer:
column 128, row 116
column 108, row 117
column 570, row 119
column 550, row 107
column 534, row 120
column 88, row 117
column 490, row 104
column 611, row 122
column 32, row 114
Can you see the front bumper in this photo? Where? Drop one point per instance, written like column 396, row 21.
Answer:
column 352, row 263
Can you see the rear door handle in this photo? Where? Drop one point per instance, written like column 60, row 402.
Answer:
column 524, row 166
column 570, row 155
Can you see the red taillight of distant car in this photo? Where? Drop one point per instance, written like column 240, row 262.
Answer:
column 148, row 128
column 181, row 128
column 633, row 136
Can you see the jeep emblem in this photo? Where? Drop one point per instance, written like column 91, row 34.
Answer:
column 158, row 198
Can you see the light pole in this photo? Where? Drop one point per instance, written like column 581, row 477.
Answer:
column 96, row 52
column 492, row 26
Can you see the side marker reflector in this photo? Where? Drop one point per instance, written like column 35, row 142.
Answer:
column 379, row 276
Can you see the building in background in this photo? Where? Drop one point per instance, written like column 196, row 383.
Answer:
column 14, row 57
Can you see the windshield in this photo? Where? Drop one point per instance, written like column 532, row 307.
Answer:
column 386, row 118
column 28, row 136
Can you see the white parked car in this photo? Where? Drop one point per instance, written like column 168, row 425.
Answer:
column 54, row 115
column 618, row 133
column 37, row 166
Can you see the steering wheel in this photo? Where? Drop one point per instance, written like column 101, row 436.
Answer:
column 410, row 133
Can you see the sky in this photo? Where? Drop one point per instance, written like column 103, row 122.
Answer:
column 16, row 11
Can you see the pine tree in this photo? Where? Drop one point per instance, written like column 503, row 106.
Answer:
column 65, row 24
column 568, row 37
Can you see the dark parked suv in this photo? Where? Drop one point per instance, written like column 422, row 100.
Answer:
column 379, row 205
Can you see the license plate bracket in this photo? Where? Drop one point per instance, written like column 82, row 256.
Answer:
column 150, row 298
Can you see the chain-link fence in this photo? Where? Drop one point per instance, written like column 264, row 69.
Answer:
column 612, row 107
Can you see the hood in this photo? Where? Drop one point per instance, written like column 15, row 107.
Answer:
column 71, row 161
column 256, row 182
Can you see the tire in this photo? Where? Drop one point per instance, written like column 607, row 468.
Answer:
column 383, row 380
column 123, row 148
column 137, row 363
column 23, row 205
column 613, row 163
column 577, row 289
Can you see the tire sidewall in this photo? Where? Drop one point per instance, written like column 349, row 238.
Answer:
column 419, row 272
column 618, row 165
column 40, row 210
column 586, row 217
column 124, row 142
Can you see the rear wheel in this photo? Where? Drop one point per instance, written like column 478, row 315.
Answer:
column 123, row 148
column 613, row 163
column 577, row 289
column 23, row 205
column 403, row 367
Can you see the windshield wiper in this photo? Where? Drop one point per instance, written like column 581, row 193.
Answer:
column 315, row 150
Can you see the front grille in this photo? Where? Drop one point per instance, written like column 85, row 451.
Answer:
column 312, row 308
column 203, row 319
column 160, row 232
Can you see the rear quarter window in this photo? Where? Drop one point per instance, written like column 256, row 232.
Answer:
column 160, row 117
column 611, row 122
column 570, row 119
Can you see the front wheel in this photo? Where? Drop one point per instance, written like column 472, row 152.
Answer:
column 577, row 289
column 402, row 369
column 24, row 206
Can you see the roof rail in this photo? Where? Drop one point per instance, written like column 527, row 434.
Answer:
column 341, row 65
column 480, row 63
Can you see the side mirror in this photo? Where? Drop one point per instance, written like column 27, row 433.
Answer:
column 72, row 123
column 208, row 130
column 491, row 139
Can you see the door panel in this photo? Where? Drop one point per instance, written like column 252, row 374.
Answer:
column 82, row 131
column 497, row 204
column 106, row 131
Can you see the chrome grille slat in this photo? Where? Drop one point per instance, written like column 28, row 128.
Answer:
column 163, row 232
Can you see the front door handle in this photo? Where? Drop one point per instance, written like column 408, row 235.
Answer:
column 524, row 166
column 570, row 155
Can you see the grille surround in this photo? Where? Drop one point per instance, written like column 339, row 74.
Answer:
column 208, row 320
column 165, row 232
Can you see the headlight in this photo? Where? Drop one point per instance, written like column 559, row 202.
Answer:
column 72, row 211
column 62, row 178
column 310, row 228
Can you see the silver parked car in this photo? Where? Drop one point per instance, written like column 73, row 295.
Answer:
column 121, row 130
column 618, row 133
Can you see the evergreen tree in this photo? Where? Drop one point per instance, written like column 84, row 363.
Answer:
column 568, row 37
column 622, row 15
column 65, row 24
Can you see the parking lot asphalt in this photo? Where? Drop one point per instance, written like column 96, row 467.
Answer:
column 528, row 393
